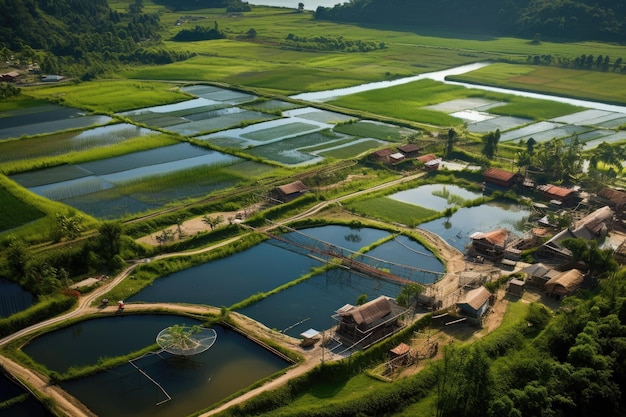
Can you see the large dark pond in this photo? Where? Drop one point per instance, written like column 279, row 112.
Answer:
column 313, row 302
column 229, row 280
column 13, row 298
column 30, row 407
column 265, row 267
column 231, row 364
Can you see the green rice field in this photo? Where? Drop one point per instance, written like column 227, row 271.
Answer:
column 594, row 85
column 366, row 129
column 393, row 211
column 272, row 133
column 111, row 96
column 351, row 151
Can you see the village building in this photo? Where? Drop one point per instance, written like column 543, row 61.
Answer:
column 288, row 192
column 614, row 199
column 409, row 150
column 538, row 274
column 558, row 196
column 430, row 161
column 493, row 245
column 496, row 178
column 475, row 303
column 595, row 226
column 397, row 157
column 382, row 155
column 9, row 77
column 564, row 284
column 515, row 287
column 369, row 323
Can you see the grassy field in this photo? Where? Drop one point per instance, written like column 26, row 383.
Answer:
column 111, row 96
column 392, row 211
column 406, row 102
column 15, row 212
column 595, row 85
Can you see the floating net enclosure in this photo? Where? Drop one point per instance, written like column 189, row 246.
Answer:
column 184, row 340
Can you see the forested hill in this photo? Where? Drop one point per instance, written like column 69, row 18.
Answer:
column 79, row 37
column 565, row 19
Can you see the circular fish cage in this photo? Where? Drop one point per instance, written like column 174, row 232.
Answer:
column 184, row 340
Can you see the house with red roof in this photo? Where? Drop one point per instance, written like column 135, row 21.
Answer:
column 500, row 178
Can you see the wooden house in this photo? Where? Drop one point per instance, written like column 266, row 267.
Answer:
column 515, row 287
column 499, row 178
column 490, row 245
column 594, row 226
column 370, row 322
column 557, row 195
column 565, row 283
column 382, row 155
column 9, row 77
column 396, row 157
column 614, row 199
column 430, row 161
column 538, row 274
column 475, row 302
column 409, row 150
column 288, row 192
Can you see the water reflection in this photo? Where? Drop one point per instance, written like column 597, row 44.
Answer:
column 458, row 228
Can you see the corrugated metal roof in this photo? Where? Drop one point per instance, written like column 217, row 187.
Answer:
column 294, row 187
column 495, row 237
column 476, row 298
column 498, row 174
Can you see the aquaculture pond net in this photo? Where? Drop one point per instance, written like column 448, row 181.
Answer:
column 186, row 340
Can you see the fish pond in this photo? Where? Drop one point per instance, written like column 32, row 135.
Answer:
column 24, row 405
column 233, row 363
column 233, row 279
column 13, row 298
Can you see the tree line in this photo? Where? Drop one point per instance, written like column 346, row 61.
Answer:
column 81, row 38
column 563, row 19
column 326, row 43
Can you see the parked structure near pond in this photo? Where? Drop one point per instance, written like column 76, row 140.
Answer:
column 499, row 178
column 369, row 323
column 494, row 245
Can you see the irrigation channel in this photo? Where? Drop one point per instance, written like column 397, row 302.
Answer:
column 328, row 95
